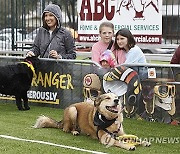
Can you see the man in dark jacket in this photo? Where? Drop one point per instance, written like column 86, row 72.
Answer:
column 52, row 40
column 176, row 57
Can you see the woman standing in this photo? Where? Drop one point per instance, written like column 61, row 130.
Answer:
column 52, row 40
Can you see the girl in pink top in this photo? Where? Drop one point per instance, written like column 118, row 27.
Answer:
column 106, row 32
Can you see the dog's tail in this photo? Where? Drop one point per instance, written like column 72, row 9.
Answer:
column 46, row 122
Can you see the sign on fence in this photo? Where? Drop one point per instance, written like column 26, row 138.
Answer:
column 142, row 17
column 56, row 82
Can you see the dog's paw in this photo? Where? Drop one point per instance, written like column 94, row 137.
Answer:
column 146, row 144
column 75, row 132
column 132, row 148
column 27, row 108
column 21, row 109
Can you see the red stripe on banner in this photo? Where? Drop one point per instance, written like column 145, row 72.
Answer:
column 130, row 76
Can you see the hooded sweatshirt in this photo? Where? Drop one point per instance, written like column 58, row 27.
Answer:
column 62, row 41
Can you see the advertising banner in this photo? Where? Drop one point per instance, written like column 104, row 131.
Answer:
column 142, row 17
column 57, row 82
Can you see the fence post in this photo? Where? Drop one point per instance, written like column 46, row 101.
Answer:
column 43, row 5
column 12, row 23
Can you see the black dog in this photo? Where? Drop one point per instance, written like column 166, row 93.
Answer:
column 16, row 80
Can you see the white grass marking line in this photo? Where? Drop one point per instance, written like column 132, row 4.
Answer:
column 48, row 143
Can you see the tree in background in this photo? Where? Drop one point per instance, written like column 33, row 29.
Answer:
column 5, row 13
column 16, row 13
column 69, row 7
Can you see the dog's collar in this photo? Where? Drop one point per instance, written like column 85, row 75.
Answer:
column 101, row 121
column 31, row 67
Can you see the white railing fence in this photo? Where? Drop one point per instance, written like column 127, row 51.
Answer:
column 87, row 55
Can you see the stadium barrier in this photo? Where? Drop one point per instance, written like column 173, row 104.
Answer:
column 87, row 55
column 59, row 83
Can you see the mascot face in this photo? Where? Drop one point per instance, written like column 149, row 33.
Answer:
column 159, row 95
column 164, row 97
column 92, row 87
column 90, row 94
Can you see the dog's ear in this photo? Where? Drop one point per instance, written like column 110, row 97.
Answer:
column 31, row 58
column 98, row 100
column 34, row 60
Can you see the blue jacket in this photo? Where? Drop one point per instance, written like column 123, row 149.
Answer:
column 135, row 55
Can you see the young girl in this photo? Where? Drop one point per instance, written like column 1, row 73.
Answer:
column 107, row 59
column 106, row 32
column 125, row 41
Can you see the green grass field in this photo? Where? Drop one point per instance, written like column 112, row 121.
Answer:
column 18, row 124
